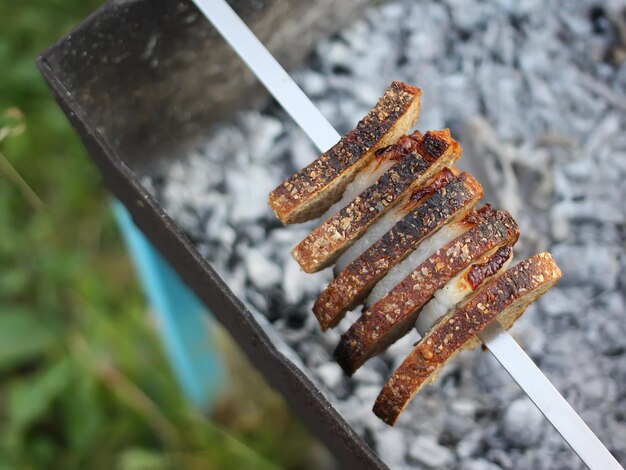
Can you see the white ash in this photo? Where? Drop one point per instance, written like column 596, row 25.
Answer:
column 523, row 423
column 427, row 451
column 392, row 446
column 536, row 93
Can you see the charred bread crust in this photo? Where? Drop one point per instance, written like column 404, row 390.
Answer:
column 394, row 315
column 309, row 192
column 326, row 243
column 351, row 286
column 436, row 144
column 505, row 298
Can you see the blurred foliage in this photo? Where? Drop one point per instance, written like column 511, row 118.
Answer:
column 83, row 381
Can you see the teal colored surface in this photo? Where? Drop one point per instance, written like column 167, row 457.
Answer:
column 184, row 323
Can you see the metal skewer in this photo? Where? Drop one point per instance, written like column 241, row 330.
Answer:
column 505, row 349
column 547, row 398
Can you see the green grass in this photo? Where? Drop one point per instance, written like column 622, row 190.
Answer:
column 83, row 380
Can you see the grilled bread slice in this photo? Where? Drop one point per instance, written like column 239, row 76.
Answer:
column 461, row 286
column 308, row 193
column 384, row 158
column 322, row 247
column 451, row 203
column 391, row 317
column 393, row 216
column 504, row 299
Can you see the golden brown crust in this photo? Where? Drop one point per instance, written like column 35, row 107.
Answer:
column 326, row 243
column 309, row 192
column 351, row 286
column 395, row 313
column 505, row 298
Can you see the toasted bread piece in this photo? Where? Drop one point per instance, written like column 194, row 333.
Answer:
column 450, row 204
column 384, row 158
column 308, row 193
column 327, row 242
column 462, row 286
column 504, row 299
column 394, row 314
column 392, row 217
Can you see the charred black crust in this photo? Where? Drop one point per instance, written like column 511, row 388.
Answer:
column 351, row 353
column 433, row 145
column 389, row 108
column 381, row 325
column 424, row 218
column 300, row 186
column 326, row 243
column 364, row 209
column 388, row 187
column 518, row 286
column 354, row 283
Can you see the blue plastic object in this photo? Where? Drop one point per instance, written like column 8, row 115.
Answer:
column 184, row 323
